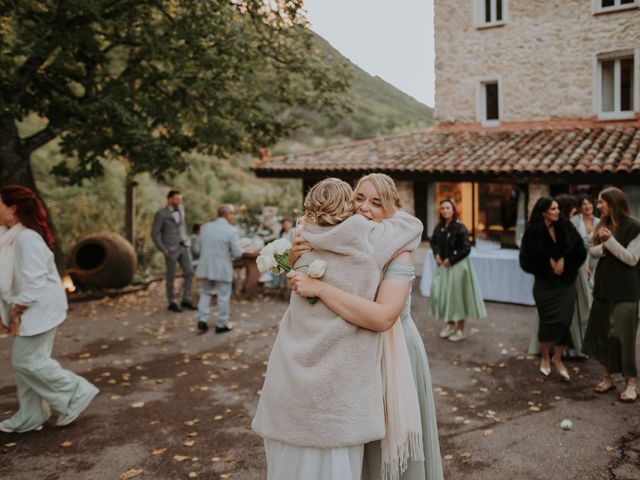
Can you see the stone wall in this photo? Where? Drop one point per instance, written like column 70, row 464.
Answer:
column 544, row 55
column 536, row 190
column 405, row 191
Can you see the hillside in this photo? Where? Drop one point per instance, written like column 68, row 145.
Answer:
column 377, row 108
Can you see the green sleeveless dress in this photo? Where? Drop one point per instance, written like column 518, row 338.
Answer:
column 431, row 469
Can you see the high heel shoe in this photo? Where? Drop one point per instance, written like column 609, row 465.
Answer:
column 564, row 373
column 545, row 370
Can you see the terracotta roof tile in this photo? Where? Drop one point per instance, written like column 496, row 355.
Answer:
column 601, row 149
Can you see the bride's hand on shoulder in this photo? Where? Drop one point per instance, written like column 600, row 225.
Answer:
column 299, row 246
column 304, row 285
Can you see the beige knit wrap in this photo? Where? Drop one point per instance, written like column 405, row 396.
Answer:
column 323, row 386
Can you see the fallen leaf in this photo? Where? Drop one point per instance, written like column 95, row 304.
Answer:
column 66, row 444
column 465, row 455
column 448, row 457
column 134, row 472
column 159, row 451
column 137, row 405
column 218, row 417
column 533, row 408
column 180, row 458
column 609, row 448
column 229, row 458
column 9, row 445
column 226, row 475
column 191, row 423
column 193, row 475
column 487, row 432
column 189, row 443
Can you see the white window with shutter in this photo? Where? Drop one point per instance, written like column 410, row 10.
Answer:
column 489, row 13
column 617, row 84
column 604, row 6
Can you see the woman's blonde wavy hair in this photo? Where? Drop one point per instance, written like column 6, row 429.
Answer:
column 386, row 188
column 329, row 202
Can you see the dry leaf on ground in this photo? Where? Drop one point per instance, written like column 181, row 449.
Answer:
column 134, row 472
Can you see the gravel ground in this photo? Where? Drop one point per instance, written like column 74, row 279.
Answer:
column 177, row 405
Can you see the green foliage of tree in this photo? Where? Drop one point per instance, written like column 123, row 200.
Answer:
column 149, row 82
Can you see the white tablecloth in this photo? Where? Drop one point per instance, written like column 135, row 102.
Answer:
column 499, row 274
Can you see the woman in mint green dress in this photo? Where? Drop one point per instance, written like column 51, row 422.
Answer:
column 455, row 292
column 376, row 198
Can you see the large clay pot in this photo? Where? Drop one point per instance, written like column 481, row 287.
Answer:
column 102, row 259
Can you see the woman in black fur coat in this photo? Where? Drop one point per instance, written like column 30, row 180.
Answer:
column 552, row 251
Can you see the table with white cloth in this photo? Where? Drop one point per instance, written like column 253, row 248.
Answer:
column 499, row 276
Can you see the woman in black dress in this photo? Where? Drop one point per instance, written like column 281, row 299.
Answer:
column 552, row 251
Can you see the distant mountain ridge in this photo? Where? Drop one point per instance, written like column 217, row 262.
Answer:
column 378, row 108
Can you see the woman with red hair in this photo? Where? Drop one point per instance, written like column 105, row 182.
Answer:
column 32, row 305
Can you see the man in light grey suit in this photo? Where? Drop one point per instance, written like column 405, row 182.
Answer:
column 219, row 245
column 170, row 236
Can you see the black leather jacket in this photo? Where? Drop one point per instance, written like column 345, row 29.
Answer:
column 452, row 243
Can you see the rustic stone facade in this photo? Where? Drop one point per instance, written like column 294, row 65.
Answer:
column 544, row 55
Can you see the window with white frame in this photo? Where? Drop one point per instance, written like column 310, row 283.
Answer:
column 616, row 73
column 490, row 12
column 603, row 6
column 489, row 102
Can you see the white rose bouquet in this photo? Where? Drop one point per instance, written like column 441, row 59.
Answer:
column 273, row 258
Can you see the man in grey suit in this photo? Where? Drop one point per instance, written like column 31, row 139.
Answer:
column 170, row 236
column 219, row 245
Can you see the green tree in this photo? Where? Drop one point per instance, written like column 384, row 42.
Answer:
column 147, row 82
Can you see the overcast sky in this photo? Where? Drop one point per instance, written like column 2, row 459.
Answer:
column 389, row 38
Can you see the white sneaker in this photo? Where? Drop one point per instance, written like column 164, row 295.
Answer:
column 457, row 336
column 447, row 331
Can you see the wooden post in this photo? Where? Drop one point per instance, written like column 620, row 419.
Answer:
column 130, row 210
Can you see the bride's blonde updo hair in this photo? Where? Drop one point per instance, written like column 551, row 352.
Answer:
column 386, row 189
column 329, row 202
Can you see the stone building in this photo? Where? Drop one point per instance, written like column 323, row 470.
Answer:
column 532, row 98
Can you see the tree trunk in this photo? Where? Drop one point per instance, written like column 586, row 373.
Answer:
column 15, row 168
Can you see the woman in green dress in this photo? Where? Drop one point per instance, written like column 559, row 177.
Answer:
column 376, row 198
column 613, row 322
column 455, row 293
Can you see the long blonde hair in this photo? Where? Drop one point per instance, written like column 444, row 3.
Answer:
column 329, row 202
column 386, row 188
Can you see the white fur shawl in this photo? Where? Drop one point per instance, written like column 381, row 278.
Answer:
column 323, row 386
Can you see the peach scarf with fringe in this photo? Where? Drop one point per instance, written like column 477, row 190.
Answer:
column 403, row 439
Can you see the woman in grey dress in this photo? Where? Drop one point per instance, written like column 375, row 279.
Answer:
column 376, row 198
column 586, row 222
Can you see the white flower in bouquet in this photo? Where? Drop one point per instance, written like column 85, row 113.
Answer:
column 281, row 246
column 267, row 263
column 273, row 257
column 317, row 268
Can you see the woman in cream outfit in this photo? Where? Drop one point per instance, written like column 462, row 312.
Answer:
column 32, row 305
column 322, row 399
column 376, row 198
